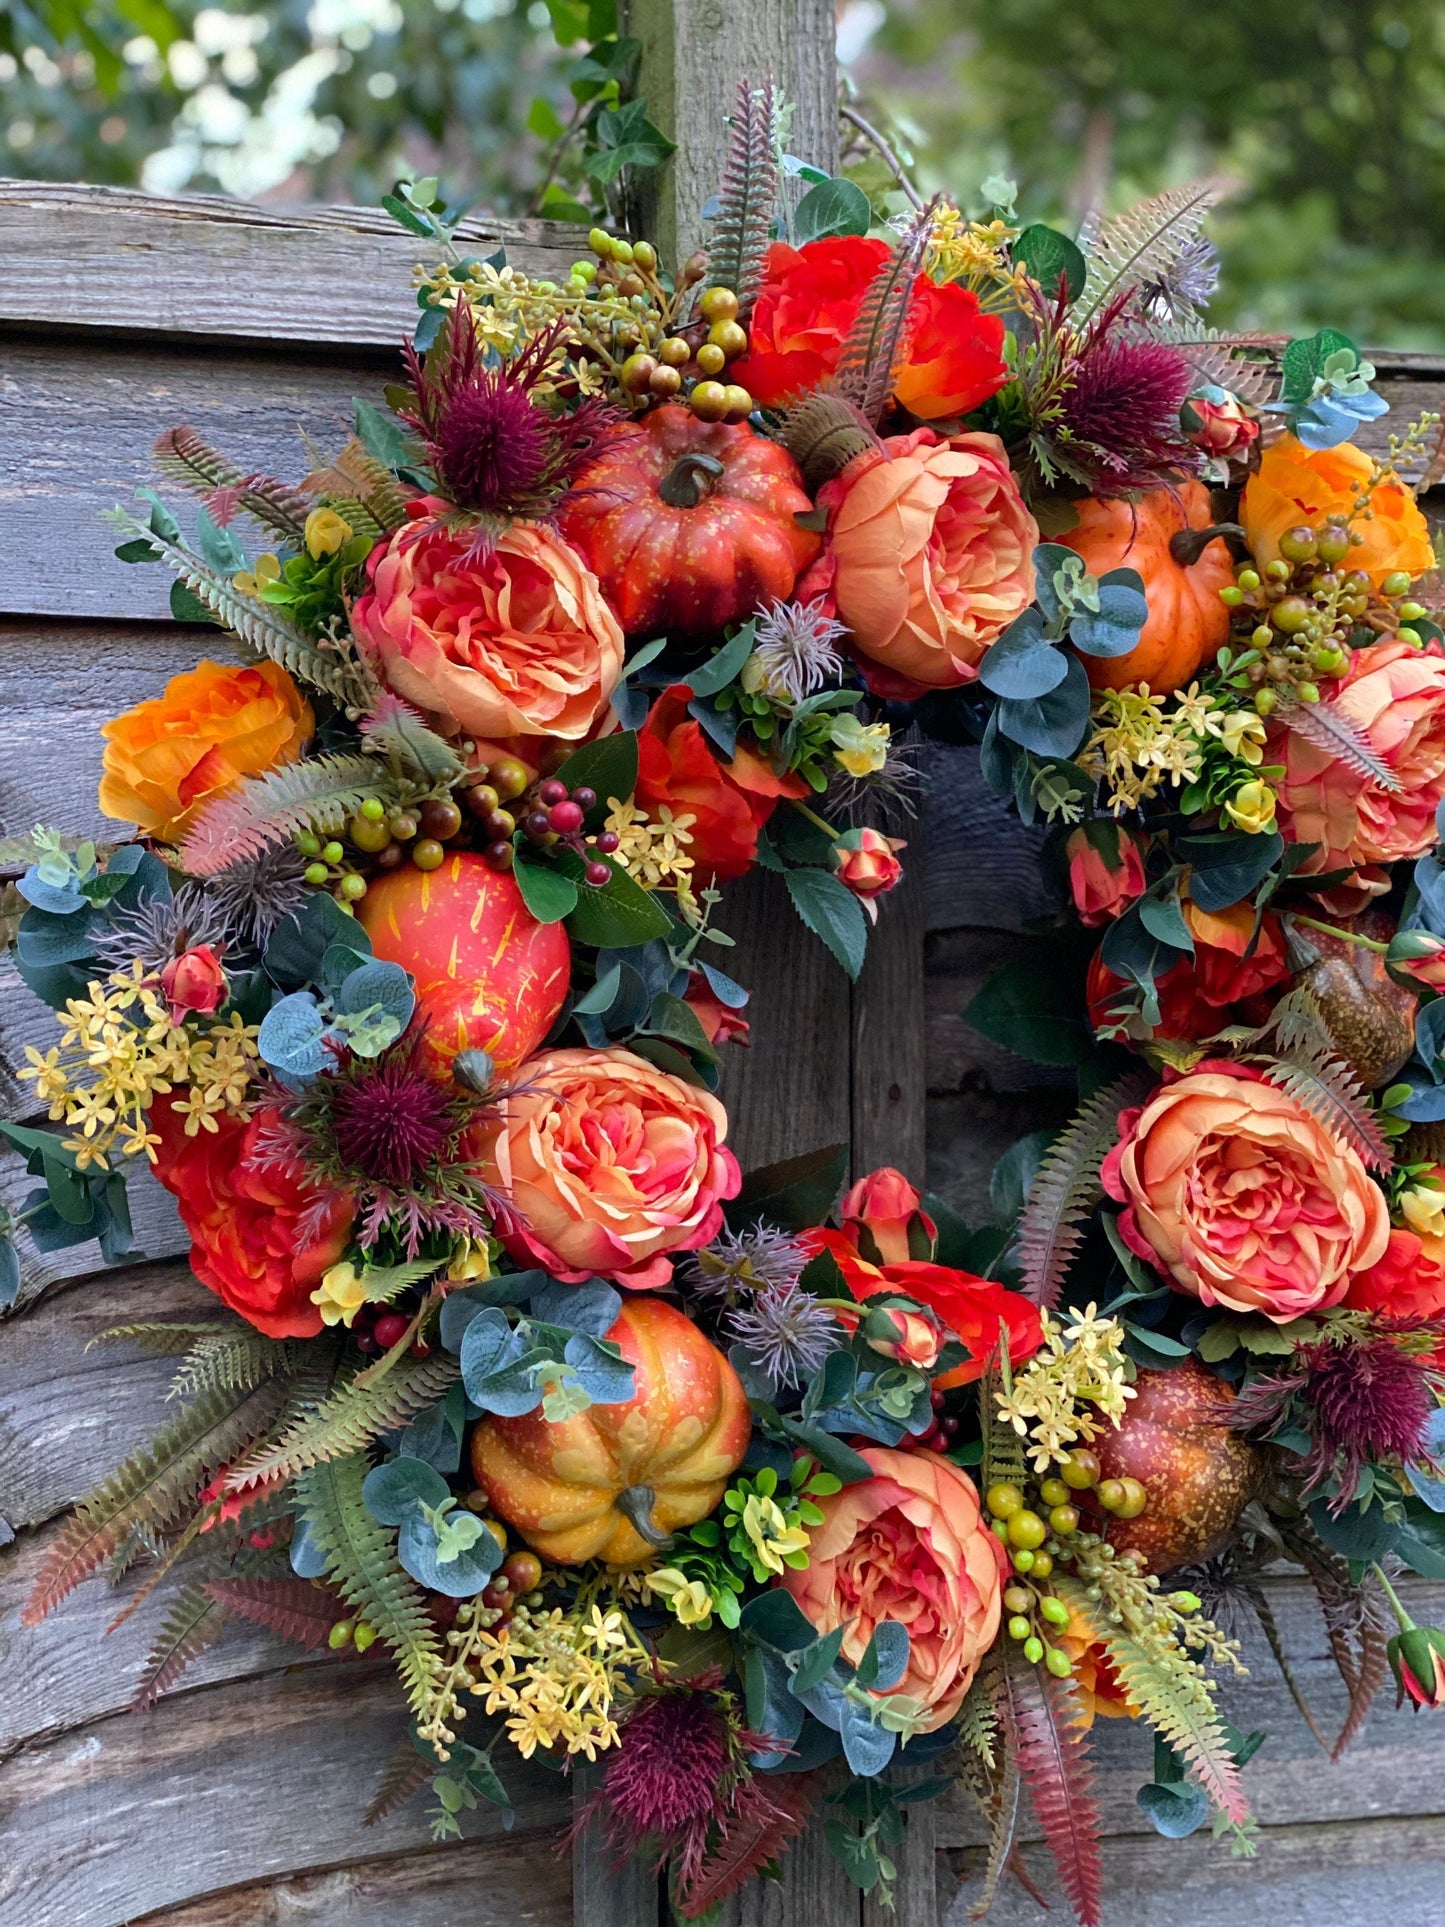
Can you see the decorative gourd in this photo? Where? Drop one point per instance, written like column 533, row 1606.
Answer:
column 1175, row 1439
column 488, row 975
column 689, row 525
column 614, row 1481
column 1187, row 622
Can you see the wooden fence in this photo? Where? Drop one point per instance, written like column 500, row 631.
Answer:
column 237, row 1802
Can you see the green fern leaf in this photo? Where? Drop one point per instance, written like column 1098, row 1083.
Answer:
column 321, row 793
column 873, row 345
column 152, row 1489
column 739, row 235
column 232, row 1356
column 1304, row 1063
column 1067, row 1187
column 361, row 1562
column 182, row 456
column 360, row 1411
column 998, row 1794
column 397, row 729
column 1144, row 242
column 158, row 1339
column 194, row 1623
column 1004, row 1459
column 356, row 480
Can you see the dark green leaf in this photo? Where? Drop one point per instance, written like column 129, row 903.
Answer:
column 186, row 607
column 833, row 207
column 1022, row 1008
column 381, row 435
column 619, row 915
column 1050, row 258
column 833, row 913
column 793, row 1194
column 608, row 766
column 1226, row 866
column 549, row 895
column 724, row 667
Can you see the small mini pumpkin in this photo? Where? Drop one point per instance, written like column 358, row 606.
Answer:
column 614, row 1481
column 1158, row 536
column 689, row 525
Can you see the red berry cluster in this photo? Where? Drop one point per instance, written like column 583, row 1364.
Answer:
column 376, row 1328
column 940, row 1435
column 557, row 816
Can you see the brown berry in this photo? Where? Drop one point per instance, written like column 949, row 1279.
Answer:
column 718, row 304
column 440, row 818
column 728, row 336
column 710, row 359
column 675, row 352
column 709, row 401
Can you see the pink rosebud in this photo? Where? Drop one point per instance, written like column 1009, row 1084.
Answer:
column 1216, row 421
column 722, row 1022
column 194, row 983
column 884, row 1219
column 867, row 863
column 1417, row 1659
column 1416, row 958
column 908, row 1337
column 1106, row 871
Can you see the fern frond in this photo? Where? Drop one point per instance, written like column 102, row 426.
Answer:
column 349, row 1420
column 1357, row 1624
column 1067, row 1187
column 1220, row 355
column 293, row 1609
column 978, row 1726
column 1144, row 242
column 232, row 1356
column 876, row 341
column 739, row 235
column 152, row 1489
column 356, row 479
column 261, row 625
column 1174, row 1698
column 1328, row 728
column 767, row 1816
column 183, row 456
column 407, row 1772
column 395, row 728
column 1305, row 1065
column 1269, row 1626
column 1043, row 1726
column 138, row 1542
column 265, row 811
column 161, row 1339
column 194, row 1623
column 1004, row 1460
column 361, row 1561
column 999, row 1794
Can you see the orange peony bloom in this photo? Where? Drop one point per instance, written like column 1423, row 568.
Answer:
column 809, row 300
column 515, row 640
column 246, row 1223
column 909, row 1544
column 930, row 556
column 1302, row 487
column 728, row 802
column 1393, row 695
column 215, row 724
column 1242, row 1197
column 605, row 1165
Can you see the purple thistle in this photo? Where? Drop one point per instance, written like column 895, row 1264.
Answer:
column 737, row 1262
column 785, row 1332
column 1118, row 422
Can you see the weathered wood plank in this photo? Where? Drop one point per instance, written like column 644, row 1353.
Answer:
column 103, row 259
column 890, row 1065
column 259, row 1781
column 981, row 864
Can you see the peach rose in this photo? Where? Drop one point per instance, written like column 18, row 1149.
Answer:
column 604, row 1165
column 866, row 862
column 1299, row 487
column 929, row 557
column 214, row 725
column 884, row 1219
column 1242, row 1197
column 512, row 640
column 1394, row 696
column 909, row 1544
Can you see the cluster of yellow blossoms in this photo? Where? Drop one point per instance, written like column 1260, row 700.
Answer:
column 1078, row 1372
column 557, row 1675
column 119, row 1050
column 1138, row 746
column 653, row 851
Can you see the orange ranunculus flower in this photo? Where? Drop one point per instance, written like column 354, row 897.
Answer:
column 1299, row 487
column 260, row 1239
column 1406, row 1281
column 605, row 1165
column 908, row 1544
column 929, row 556
column 511, row 640
column 1243, row 1198
column 809, row 300
column 884, row 1220
column 215, row 724
column 1106, row 871
column 1226, row 981
column 1393, row 695
column 976, row 1311
column 728, row 802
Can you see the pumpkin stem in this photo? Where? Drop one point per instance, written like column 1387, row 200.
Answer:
column 635, row 1504
column 1187, row 545
column 689, row 480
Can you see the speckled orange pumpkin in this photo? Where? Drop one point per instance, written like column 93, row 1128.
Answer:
column 612, row 1482
column 1187, row 622
column 689, row 525
column 488, row 975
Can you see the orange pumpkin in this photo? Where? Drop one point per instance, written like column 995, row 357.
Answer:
column 614, row 1481
column 488, row 975
column 1187, row 622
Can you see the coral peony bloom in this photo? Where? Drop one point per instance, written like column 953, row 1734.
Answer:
column 1242, row 1197
column 604, row 1165
column 1407, row 1281
column 930, row 556
column 1106, row 871
column 1394, row 697
column 215, row 724
column 1226, row 981
column 976, row 1311
column 248, row 1240
column 884, row 1220
column 908, row 1544
column 809, row 300
column 728, row 802
column 514, row 640
column 1299, row 487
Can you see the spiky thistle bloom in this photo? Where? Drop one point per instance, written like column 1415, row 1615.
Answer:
column 1118, row 422
column 1186, row 285
column 1361, row 1397
column 495, row 449
column 393, row 1125
column 795, row 650
column 785, row 1332
column 255, row 896
column 161, row 928
column 738, row 1263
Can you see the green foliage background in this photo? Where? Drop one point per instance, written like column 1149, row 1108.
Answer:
column 1330, row 113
